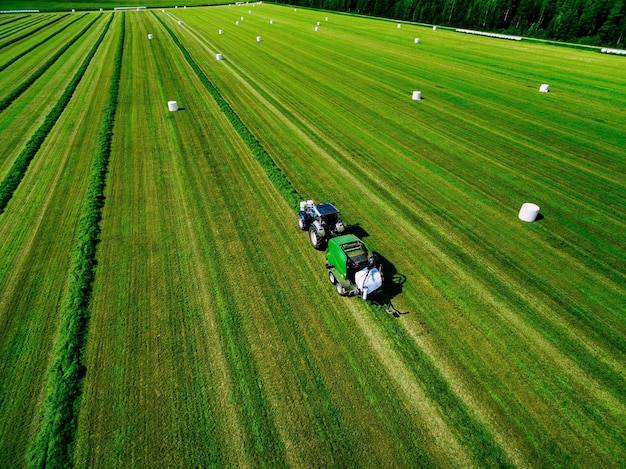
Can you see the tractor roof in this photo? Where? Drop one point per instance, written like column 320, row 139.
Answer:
column 326, row 208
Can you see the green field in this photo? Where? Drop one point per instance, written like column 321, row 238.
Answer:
column 78, row 5
column 210, row 335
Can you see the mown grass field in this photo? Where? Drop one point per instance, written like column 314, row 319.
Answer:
column 213, row 337
column 78, row 5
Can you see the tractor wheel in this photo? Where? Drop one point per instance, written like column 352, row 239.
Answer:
column 316, row 239
column 340, row 289
column 332, row 278
column 302, row 224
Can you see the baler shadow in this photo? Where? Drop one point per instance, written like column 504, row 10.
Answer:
column 392, row 285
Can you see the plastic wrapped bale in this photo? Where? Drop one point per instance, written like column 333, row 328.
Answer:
column 172, row 105
column 528, row 212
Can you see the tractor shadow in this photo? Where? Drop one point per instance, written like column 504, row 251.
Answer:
column 357, row 230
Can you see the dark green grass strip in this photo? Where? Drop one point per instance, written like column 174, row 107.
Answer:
column 19, row 56
column 473, row 435
column 4, row 23
column 275, row 174
column 15, row 175
column 17, row 28
column 54, row 442
column 17, row 92
column 30, row 33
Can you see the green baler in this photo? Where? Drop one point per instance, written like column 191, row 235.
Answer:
column 352, row 267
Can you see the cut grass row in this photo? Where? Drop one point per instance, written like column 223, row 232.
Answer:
column 24, row 85
column 29, row 32
column 54, row 442
column 284, row 186
column 37, row 233
column 314, row 106
column 469, row 431
column 34, row 46
column 175, row 204
column 16, row 173
column 215, row 336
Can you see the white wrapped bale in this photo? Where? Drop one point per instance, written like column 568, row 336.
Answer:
column 528, row 212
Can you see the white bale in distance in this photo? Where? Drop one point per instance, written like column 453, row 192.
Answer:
column 218, row 56
column 528, row 212
column 434, row 28
column 544, row 88
column 399, row 26
column 150, row 36
column 258, row 39
column 73, row 10
column 101, row 9
column 249, row 12
column 295, row 9
column 172, row 105
column 180, row 22
column 417, row 95
column 175, row 7
column 271, row 21
column 417, row 40
column 316, row 28
column 237, row 23
column 242, row 18
column 220, row 31
column 326, row 18
column 163, row 11
column 318, row 23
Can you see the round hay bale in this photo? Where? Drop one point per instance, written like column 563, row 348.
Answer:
column 528, row 212
column 399, row 26
column 417, row 95
column 150, row 36
column 172, row 105
column 434, row 28
column 258, row 39
column 544, row 88
column 417, row 40
column 218, row 57
column 221, row 31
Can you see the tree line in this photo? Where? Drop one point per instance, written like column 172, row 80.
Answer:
column 591, row 22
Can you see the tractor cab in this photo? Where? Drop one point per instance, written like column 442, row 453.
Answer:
column 322, row 220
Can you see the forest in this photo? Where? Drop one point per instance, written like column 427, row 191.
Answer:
column 590, row 22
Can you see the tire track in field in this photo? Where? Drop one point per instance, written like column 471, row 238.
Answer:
column 528, row 333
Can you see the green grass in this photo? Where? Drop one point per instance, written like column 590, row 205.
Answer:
column 78, row 5
column 214, row 336
column 38, row 232
column 54, row 443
